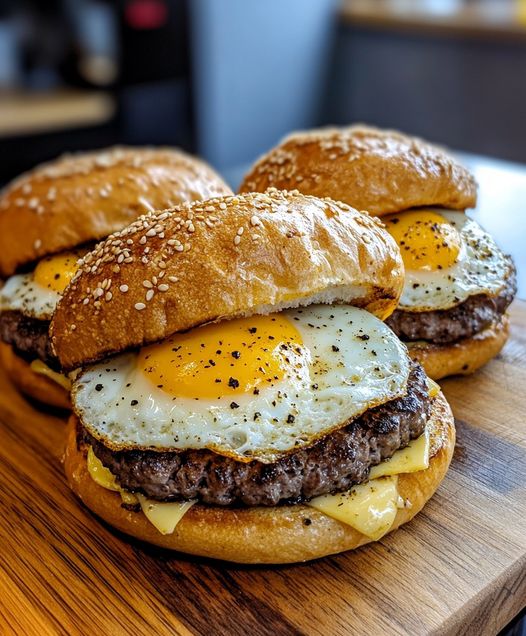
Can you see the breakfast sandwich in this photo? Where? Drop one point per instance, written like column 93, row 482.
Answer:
column 235, row 392
column 458, row 284
column 51, row 216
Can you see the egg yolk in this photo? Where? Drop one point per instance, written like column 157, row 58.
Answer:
column 225, row 359
column 426, row 239
column 55, row 272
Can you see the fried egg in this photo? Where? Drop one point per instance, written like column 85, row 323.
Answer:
column 37, row 293
column 250, row 388
column 447, row 256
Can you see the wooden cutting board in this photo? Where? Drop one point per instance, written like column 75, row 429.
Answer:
column 458, row 568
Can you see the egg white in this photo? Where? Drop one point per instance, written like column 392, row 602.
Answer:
column 481, row 268
column 22, row 293
column 349, row 362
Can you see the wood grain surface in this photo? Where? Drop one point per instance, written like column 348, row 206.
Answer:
column 458, row 568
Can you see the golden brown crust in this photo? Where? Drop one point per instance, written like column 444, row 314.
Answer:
column 381, row 171
column 223, row 258
column 262, row 535
column 463, row 357
column 33, row 384
column 84, row 197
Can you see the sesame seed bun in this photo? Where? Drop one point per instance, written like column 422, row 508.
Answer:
column 34, row 385
column 381, row 171
column 86, row 196
column 280, row 534
column 223, row 258
column 463, row 357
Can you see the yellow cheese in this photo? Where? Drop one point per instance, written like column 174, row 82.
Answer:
column 406, row 460
column 100, row 474
column 164, row 516
column 41, row 367
column 433, row 388
column 370, row 508
column 105, row 478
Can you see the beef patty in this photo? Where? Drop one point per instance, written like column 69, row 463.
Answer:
column 332, row 464
column 28, row 336
column 462, row 321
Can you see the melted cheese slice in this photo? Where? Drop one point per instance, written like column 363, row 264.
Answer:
column 370, row 508
column 164, row 516
column 406, row 460
column 41, row 367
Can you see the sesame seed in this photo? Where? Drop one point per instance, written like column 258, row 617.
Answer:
column 147, row 284
column 163, row 287
column 237, row 239
column 142, row 240
column 33, row 203
column 240, row 231
column 149, row 295
column 255, row 221
column 123, row 288
column 179, row 248
column 108, row 296
column 37, row 244
column 140, row 306
column 173, row 279
column 85, row 301
column 151, row 232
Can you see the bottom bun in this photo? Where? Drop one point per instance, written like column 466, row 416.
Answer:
column 281, row 534
column 35, row 385
column 462, row 357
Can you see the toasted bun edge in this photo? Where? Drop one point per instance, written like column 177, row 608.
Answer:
column 34, row 385
column 463, row 357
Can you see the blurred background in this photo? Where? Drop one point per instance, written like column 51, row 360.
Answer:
column 226, row 79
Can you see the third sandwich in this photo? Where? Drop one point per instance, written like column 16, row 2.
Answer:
column 237, row 394
column 48, row 219
column 459, row 284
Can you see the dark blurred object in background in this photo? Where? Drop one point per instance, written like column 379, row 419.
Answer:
column 228, row 78
column 80, row 74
